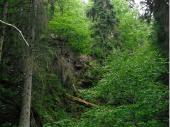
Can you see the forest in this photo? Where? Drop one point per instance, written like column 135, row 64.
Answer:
column 84, row 63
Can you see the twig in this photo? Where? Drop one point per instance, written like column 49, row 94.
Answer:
column 8, row 24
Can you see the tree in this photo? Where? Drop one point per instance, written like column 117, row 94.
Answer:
column 35, row 18
column 27, row 69
column 4, row 17
column 103, row 17
column 26, row 98
column 161, row 15
column 159, row 10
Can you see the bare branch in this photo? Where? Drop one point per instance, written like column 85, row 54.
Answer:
column 8, row 24
column 80, row 101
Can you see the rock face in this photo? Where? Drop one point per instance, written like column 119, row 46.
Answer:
column 71, row 67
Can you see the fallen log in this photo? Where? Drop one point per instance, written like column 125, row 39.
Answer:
column 80, row 101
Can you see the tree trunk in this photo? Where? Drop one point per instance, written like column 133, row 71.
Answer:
column 26, row 97
column 33, row 36
column 28, row 69
column 4, row 16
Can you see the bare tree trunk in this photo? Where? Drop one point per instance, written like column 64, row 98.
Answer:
column 4, row 16
column 26, row 97
column 28, row 64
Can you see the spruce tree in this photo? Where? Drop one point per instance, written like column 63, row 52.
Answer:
column 104, row 20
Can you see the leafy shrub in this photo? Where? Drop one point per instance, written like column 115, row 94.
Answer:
column 73, row 26
column 129, row 73
column 130, row 82
column 123, row 116
column 130, row 79
column 131, row 31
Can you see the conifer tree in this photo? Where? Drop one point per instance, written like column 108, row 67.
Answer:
column 104, row 20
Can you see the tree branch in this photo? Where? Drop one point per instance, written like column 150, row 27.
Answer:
column 8, row 24
column 80, row 101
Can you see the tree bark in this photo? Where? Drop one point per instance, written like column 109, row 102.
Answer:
column 33, row 35
column 4, row 17
column 26, row 97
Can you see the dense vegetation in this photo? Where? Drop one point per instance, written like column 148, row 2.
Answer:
column 95, row 64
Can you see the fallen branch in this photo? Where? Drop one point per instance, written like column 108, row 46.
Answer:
column 8, row 24
column 80, row 101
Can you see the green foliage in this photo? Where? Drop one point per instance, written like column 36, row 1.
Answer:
column 71, row 25
column 126, row 74
column 47, row 89
column 132, row 31
column 126, row 86
column 123, row 116
column 62, row 123
column 8, row 125
column 129, row 72
column 130, row 86
column 103, row 16
column 47, row 99
column 158, row 10
column 130, row 79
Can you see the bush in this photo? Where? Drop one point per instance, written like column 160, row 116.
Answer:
column 73, row 26
column 130, row 83
column 131, row 31
column 129, row 73
column 123, row 116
